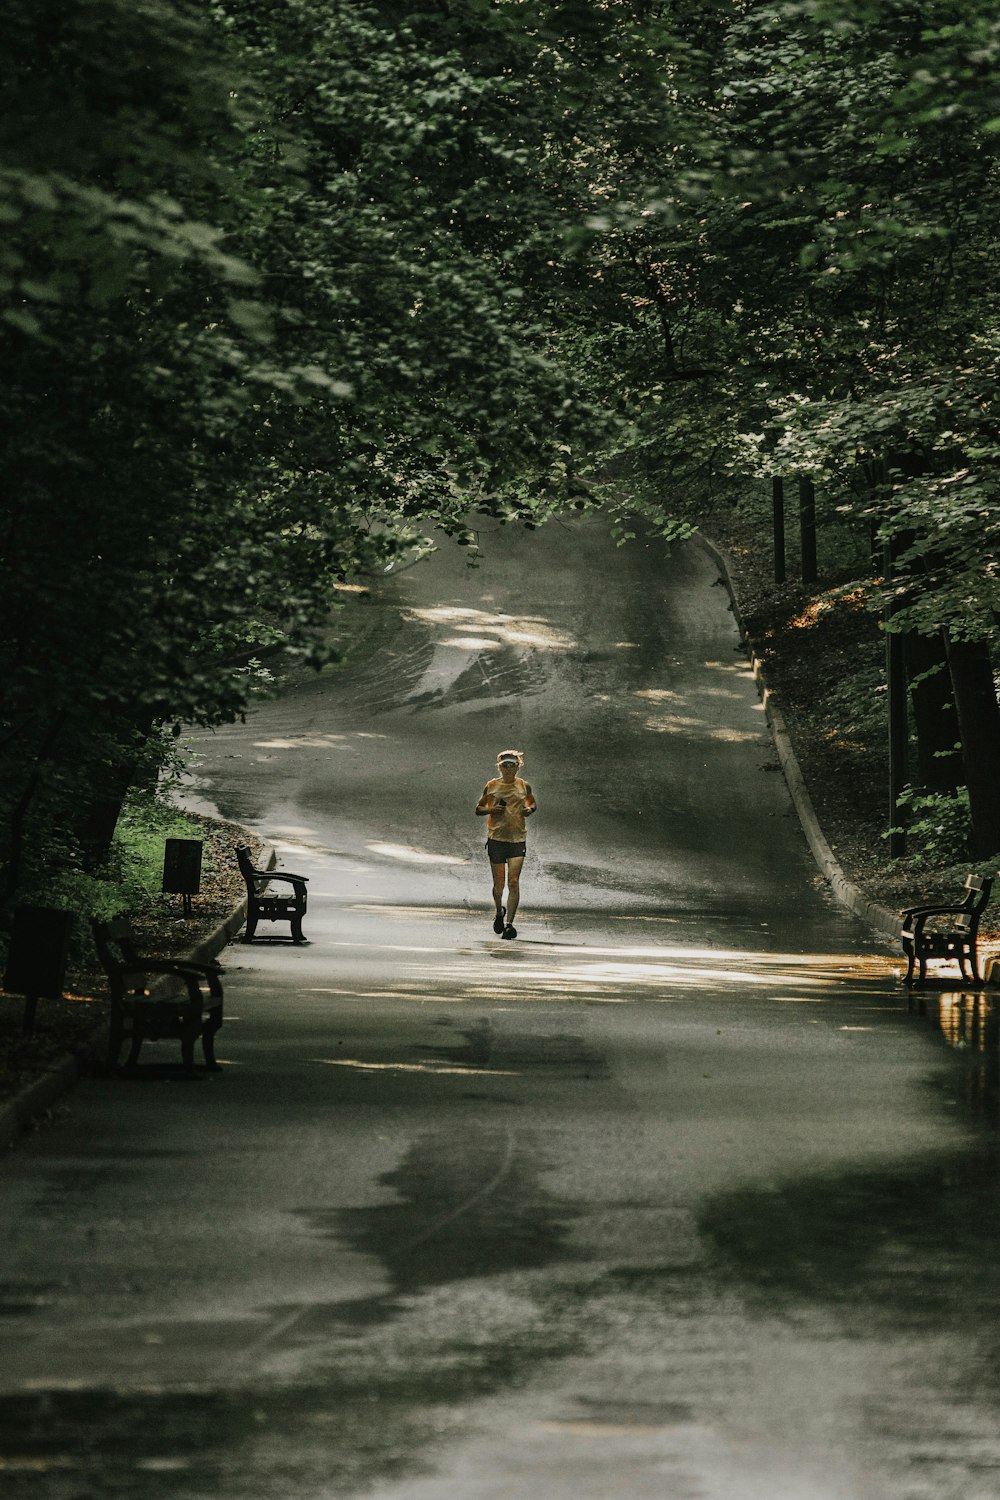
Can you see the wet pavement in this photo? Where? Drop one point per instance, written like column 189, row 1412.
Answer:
column 675, row 1196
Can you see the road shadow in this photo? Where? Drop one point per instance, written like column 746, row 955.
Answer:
column 913, row 1248
column 352, row 1395
column 469, row 1203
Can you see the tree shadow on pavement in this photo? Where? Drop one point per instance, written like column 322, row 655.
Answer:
column 912, row 1248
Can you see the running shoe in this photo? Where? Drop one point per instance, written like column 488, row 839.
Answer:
column 498, row 920
column 509, row 931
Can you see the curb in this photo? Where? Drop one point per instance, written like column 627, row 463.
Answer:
column 884, row 921
column 17, row 1114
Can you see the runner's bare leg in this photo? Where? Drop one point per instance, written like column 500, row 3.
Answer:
column 513, row 886
column 499, row 872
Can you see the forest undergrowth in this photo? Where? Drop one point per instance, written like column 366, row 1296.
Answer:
column 823, row 652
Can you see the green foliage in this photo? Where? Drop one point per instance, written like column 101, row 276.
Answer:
column 858, row 704
column 129, row 879
column 803, row 283
column 291, row 291
column 280, row 288
column 937, row 824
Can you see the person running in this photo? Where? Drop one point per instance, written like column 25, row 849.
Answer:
column 506, row 802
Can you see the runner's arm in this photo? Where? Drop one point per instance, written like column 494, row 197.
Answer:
column 530, row 805
column 485, row 803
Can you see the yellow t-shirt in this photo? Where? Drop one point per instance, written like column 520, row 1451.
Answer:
column 506, row 824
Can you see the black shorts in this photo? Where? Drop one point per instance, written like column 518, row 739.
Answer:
column 500, row 851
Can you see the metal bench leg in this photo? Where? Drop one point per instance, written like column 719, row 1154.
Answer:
column 211, row 1026
column 133, row 1053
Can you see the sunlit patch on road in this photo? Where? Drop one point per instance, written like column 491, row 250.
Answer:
column 472, row 643
column 540, row 970
column 48, row 1386
column 674, row 723
column 387, row 909
column 686, row 725
column 305, row 742
column 389, row 947
column 733, row 694
column 409, row 855
column 404, row 992
column 598, row 976
column 513, row 630
column 402, row 1067
column 838, row 965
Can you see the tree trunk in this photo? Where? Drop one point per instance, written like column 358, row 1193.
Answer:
column 939, row 763
column 17, row 827
column 96, row 827
column 778, row 518
column 897, row 716
column 807, row 528
column 99, row 816
column 971, row 672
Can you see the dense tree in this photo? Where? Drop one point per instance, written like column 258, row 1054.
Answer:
column 808, row 294
column 291, row 285
column 278, row 289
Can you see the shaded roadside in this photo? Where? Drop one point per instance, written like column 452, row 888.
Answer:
column 821, row 652
column 68, row 1035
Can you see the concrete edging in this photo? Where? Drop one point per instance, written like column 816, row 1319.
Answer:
column 17, row 1114
column 884, row 921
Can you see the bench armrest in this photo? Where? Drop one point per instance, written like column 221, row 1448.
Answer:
column 210, row 972
column 180, row 969
column 933, row 911
column 282, row 875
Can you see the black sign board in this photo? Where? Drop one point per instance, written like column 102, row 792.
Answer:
column 182, row 867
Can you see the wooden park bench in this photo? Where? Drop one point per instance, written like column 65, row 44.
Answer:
column 266, row 906
column 140, row 1013
column 948, row 932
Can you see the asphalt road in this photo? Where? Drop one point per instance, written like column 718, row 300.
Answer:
column 669, row 1198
